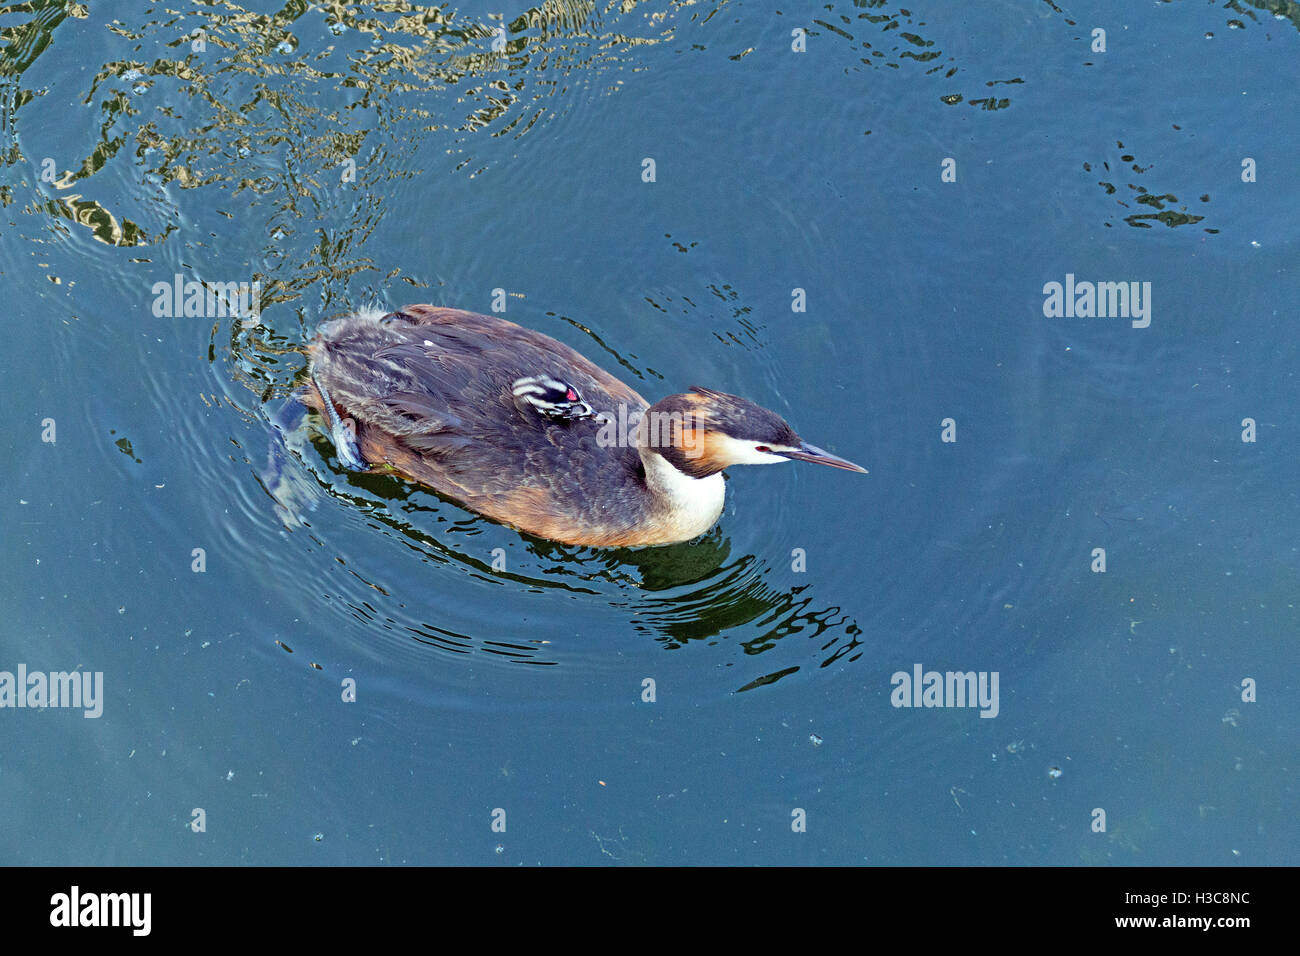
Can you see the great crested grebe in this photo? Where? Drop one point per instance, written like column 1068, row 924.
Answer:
column 523, row 429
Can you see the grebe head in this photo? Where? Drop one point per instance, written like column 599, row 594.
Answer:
column 551, row 397
column 704, row 431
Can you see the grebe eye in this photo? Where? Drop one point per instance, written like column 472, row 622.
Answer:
column 763, row 448
column 571, row 395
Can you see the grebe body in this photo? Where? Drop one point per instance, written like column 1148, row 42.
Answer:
column 521, row 428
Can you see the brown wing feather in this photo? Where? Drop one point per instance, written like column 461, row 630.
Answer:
column 429, row 390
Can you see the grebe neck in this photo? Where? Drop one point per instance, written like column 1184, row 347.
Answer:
column 686, row 506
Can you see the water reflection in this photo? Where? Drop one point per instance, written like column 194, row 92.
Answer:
column 675, row 595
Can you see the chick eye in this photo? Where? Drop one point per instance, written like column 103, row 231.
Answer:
column 571, row 395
